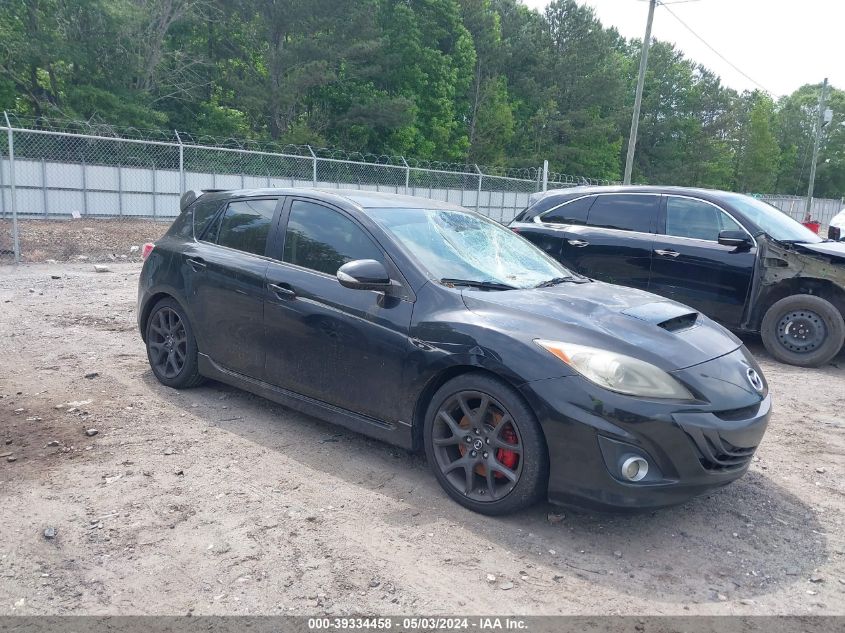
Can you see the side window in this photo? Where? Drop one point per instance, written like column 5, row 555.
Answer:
column 574, row 212
column 245, row 225
column 183, row 225
column 203, row 212
column 727, row 223
column 626, row 212
column 696, row 219
column 322, row 239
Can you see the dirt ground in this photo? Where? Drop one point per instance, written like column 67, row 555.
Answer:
column 89, row 239
column 213, row 501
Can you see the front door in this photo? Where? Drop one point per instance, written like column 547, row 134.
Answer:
column 341, row 346
column 690, row 266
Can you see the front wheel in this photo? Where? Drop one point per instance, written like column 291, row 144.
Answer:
column 171, row 346
column 485, row 445
column 803, row 330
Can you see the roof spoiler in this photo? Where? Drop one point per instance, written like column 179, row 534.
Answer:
column 190, row 196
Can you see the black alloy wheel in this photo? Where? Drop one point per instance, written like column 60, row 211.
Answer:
column 171, row 347
column 168, row 341
column 485, row 445
column 477, row 445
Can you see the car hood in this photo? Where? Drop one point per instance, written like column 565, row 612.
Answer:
column 835, row 250
column 633, row 322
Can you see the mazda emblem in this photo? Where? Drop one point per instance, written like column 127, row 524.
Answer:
column 755, row 380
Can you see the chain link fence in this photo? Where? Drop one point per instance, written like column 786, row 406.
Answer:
column 822, row 210
column 60, row 169
column 63, row 169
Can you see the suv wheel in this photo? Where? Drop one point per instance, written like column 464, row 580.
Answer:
column 485, row 445
column 803, row 330
column 171, row 346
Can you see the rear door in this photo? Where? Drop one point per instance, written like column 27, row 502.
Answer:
column 615, row 244
column 549, row 231
column 226, row 296
column 690, row 266
column 338, row 345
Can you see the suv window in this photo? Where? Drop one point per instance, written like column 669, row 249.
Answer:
column 322, row 239
column 627, row 212
column 244, row 226
column 696, row 219
column 574, row 212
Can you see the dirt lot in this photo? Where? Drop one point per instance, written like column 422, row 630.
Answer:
column 90, row 239
column 215, row 501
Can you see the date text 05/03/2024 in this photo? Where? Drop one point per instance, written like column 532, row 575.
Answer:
column 417, row 623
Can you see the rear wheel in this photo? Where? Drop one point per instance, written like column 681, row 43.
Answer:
column 171, row 346
column 485, row 445
column 803, row 330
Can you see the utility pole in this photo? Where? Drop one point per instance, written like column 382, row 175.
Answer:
column 819, row 126
column 638, row 100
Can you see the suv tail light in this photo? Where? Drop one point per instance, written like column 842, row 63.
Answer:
column 146, row 250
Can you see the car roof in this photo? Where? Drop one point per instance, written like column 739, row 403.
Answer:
column 360, row 197
column 656, row 189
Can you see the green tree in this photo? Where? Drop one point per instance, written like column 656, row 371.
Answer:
column 479, row 81
column 757, row 152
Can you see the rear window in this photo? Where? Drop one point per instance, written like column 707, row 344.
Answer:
column 574, row 212
column 544, row 204
column 626, row 212
column 203, row 213
column 245, row 225
column 183, row 226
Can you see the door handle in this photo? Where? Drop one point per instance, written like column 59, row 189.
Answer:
column 578, row 243
column 282, row 291
column 196, row 264
column 666, row 252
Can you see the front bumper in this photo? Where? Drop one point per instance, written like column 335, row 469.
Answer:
column 690, row 448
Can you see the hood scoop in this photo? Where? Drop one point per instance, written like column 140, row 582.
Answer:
column 672, row 317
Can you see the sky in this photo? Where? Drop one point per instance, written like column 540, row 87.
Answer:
column 779, row 44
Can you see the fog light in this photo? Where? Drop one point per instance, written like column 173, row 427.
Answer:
column 634, row 468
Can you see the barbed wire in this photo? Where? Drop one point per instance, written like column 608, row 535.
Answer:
column 95, row 127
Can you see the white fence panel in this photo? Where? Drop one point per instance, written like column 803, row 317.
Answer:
column 97, row 177
column 167, row 181
column 28, row 173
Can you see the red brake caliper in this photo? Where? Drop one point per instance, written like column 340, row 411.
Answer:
column 507, row 457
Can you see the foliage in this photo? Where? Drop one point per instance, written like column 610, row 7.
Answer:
column 477, row 81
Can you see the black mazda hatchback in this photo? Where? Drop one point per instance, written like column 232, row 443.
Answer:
column 426, row 325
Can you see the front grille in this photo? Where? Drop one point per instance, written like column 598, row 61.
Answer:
column 717, row 454
column 734, row 415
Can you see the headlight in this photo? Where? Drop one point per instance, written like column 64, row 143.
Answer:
column 618, row 372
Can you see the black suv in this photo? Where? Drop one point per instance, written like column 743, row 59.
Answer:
column 739, row 260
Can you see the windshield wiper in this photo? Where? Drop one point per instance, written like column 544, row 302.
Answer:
column 475, row 283
column 555, row 281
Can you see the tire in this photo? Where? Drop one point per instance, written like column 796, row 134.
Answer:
column 509, row 451
column 803, row 330
column 171, row 346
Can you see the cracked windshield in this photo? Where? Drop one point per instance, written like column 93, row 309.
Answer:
column 463, row 246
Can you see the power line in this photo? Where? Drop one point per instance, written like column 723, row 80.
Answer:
column 703, row 41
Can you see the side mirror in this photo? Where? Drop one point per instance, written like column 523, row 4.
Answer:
column 364, row 274
column 734, row 238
